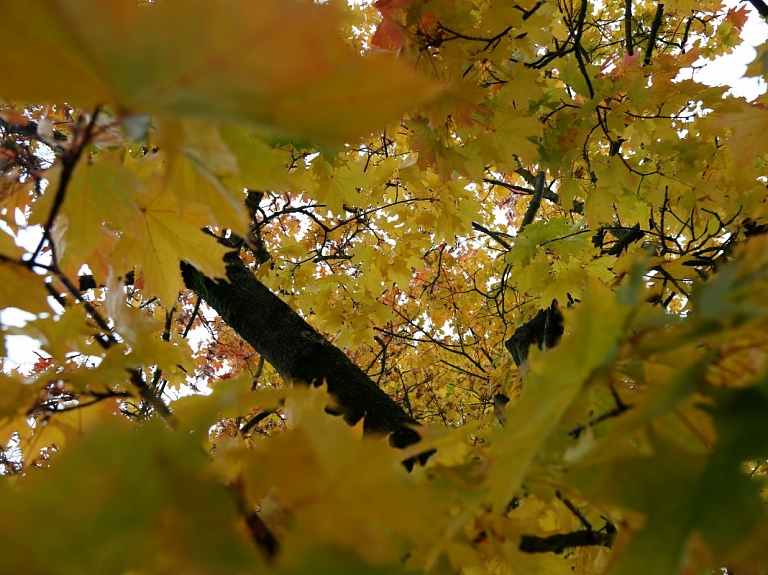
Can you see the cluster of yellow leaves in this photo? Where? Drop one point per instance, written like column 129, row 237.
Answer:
column 375, row 238
column 337, row 500
column 140, row 194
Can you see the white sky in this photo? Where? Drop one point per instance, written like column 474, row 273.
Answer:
column 728, row 70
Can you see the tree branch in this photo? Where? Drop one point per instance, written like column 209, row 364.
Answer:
column 628, row 26
column 559, row 542
column 578, row 48
column 535, row 202
column 495, row 235
column 760, row 6
column 69, row 160
column 544, row 330
column 655, row 26
column 297, row 351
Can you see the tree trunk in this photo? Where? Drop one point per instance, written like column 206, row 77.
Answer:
column 297, row 351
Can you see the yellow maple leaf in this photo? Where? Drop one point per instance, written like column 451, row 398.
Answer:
column 160, row 237
column 513, row 133
column 102, row 191
column 338, row 185
column 20, row 286
column 458, row 101
column 749, row 132
column 551, row 386
column 261, row 166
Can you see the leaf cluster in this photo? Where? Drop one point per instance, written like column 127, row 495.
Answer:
column 417, row 208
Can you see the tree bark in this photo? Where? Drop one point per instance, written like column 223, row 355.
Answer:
column 297, row 351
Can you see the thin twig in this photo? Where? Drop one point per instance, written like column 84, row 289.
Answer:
column 559, row 542
column 260, row 534
column 69, row 161
column 495, row 235
column 137, row 379
column 620, row 408
column 192, row 318
column 90, row 309
column 259, row 369
column 510, row 187
column 573, row 509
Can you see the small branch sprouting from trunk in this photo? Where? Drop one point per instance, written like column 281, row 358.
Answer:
column 535, row 202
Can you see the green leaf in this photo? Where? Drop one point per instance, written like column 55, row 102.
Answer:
column 130, row 499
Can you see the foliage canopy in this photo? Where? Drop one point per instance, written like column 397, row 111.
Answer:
column 236, row 197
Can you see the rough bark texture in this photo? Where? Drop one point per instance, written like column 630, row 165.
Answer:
column 544, row 330
column 297, row 351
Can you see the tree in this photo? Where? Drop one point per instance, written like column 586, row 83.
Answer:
column 233, row 203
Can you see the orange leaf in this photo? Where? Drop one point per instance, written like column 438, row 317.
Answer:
column 277, row 63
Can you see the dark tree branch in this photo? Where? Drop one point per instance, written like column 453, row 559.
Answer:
column 578, row 49
column 490, row 43
column 760, row 6
column 625, row 237
column 56, row 405
column 575, row 510
column 510, row 187
column 109, row 338
column 655, row 26
column 535, row 202
column 548, row 194
column 69, row 160
column 528, row 13
column 297, row 351
column 561, row 541
column 544, row 330
column 150, row 398
column 258, row 530
column 192, row 318
column 628, row 26
column 255, row 420
column 620, row 408
column 495, row 235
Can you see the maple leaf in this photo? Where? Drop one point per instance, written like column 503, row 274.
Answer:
column 157, row 238
column 542, row 406
column 275, row 64
column 513, row 131
column 114, row 485
column 458, row 101
column 338, row 185
column 20, row 287
column 738, row 16
column 748, row 126
column 396, row 234
column 87, row 214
